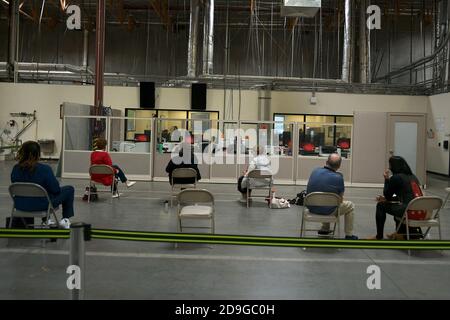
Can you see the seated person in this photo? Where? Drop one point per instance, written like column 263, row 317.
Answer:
column 100, row 156
column 165, row 135
column 30, row 170
column 327, row 179
column 184, row 159
column 397, row 193
column 260, row 162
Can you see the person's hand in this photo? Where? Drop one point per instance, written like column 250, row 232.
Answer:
column 386, row 174
column 381, row 199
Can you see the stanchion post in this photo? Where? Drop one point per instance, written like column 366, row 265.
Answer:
column 79, row 233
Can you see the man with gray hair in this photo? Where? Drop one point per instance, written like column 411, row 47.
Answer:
column 327, row 179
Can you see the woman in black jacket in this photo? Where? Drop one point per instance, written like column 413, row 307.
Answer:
column 399, row 190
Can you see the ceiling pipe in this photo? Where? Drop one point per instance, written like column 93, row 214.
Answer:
column 208, row 37
column 363, row 45
column 99, row 56
column 193, row 39
column 14, row 11
column 346, row 67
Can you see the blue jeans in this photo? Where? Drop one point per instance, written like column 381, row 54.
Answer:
column 64, row 198
column 120, row 174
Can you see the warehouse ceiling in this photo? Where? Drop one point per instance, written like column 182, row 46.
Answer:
column 147, row 40
column 175, row 13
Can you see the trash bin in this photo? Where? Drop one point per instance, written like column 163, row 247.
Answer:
column 47, row 146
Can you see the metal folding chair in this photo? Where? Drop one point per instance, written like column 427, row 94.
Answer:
column 265, row 178
column 30, row 190
column 182, row 173
column 322, row 199
column 106, row 170
column 195, row 204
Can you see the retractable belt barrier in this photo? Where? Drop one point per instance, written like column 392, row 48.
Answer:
column 228, row 239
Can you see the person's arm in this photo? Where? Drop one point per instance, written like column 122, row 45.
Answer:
column 170, row 167
column 251, row 167
column 107, row 159
column 51, row 181
column 392, row 186
column 341, row 188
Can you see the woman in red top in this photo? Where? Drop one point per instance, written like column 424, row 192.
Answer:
column 100, row 156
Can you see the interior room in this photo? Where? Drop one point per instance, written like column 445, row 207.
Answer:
column 225, row 150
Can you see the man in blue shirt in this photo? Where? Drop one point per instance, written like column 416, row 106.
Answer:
column 327, row 179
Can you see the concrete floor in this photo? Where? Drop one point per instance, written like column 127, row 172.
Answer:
column 135, row 270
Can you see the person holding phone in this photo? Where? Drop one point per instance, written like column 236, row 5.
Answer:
column 397, row 193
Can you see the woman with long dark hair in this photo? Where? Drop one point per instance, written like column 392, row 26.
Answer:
column 29, row 169
column 399, row 190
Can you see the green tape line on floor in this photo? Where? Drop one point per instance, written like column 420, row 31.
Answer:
column 267, row 241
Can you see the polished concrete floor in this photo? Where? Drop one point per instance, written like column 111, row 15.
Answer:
column 136, row 270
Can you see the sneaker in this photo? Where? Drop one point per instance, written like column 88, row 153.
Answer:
column 50, row 222
column 116, row 195
column 64, row 223
column 351, row 237
column 130, row 184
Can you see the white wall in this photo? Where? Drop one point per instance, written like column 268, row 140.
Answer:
column 46, row 99
column 345, row 104
column 439, row 122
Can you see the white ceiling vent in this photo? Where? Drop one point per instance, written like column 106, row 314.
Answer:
column 300, row 8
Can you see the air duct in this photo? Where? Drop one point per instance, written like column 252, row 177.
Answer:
column 300, row 8
column 346, row 68
column 208, row 37
column 193, row 38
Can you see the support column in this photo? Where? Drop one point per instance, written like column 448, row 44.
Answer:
column 99, row 56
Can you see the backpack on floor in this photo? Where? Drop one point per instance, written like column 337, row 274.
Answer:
column 299, row 199
column 94, row 195
column 278, row 203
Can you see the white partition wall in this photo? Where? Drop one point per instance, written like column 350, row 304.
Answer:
column 134, row 157
column 143, row 147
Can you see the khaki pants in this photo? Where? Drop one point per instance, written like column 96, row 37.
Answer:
column 346, row 209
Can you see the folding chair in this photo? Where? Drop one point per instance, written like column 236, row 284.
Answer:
column 105, row 170
column 322, row 199
column 195, row 204
column 182, row 173
column 446, row 198
column 259, row 180
column 30, row 190
column 432, row 206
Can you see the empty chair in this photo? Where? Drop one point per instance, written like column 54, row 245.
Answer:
column 259, row 179
column 30, row 190
column 106, row 175
column 195, row 204
column 180, row 175
column 321, row 199
column 446, row 198
column 422, row 212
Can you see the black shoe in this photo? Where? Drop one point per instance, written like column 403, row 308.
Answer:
column 324, row 232
column 351, row 237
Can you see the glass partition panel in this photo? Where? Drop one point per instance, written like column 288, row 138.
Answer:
column 283, row 133
column 136, row 141
column 80, row 132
